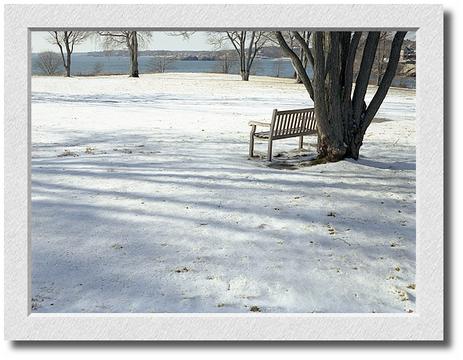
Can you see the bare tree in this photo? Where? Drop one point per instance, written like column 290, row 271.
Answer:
column 49, row 62
column 186, row 35
column 130, row 39
column 66, row 40
column 246, row 43
column 98, row 68
column 277, row 67
column 160, row 64
column 225, row 64
column 342, row 116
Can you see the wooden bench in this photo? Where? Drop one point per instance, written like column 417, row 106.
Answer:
column 285, row 124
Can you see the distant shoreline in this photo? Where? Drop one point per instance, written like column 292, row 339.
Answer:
column 187, row 74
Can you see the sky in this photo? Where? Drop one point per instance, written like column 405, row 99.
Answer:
column 159, row 41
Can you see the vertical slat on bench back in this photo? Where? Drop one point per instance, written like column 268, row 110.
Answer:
column 280, row 125
column 293, row 122
column 294, row 125
column 299, row 122
column 295, row 129
column 304, row 120
column 284, row 120
column 277, row 127
column 312, row 123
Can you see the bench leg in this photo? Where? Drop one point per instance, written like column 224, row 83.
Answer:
column 251, row 141
column 269, row 151
column 301, row 142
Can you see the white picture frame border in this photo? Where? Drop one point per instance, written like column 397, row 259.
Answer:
column 426, row 324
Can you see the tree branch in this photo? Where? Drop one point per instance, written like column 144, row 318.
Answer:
column 296, row 62
column 363, row 77
column 349, row 68
column 386, row 81
column 305, row 46
column 233, row 43
column 251, row 45
column 57, row 40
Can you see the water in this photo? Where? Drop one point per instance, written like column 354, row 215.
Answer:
column 83, row 64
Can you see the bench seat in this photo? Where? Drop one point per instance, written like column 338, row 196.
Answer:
column 266, row 134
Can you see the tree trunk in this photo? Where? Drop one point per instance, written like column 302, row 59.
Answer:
column 67, row 44
column 68, row 65
column 133, row 50
column 243, row 71
column 343, row 117
column 327, row 97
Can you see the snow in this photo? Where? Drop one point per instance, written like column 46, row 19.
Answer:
column 144, row 200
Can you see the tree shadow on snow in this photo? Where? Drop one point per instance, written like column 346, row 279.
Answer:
column 110, row 215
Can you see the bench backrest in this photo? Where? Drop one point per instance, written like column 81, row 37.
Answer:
column 292, row 123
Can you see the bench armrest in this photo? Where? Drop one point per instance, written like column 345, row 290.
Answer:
column 258, row 123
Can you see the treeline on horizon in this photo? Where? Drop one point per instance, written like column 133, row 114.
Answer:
column 270, row 51
column 206, row 55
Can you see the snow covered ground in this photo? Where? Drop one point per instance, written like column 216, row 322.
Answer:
column 144, row 200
